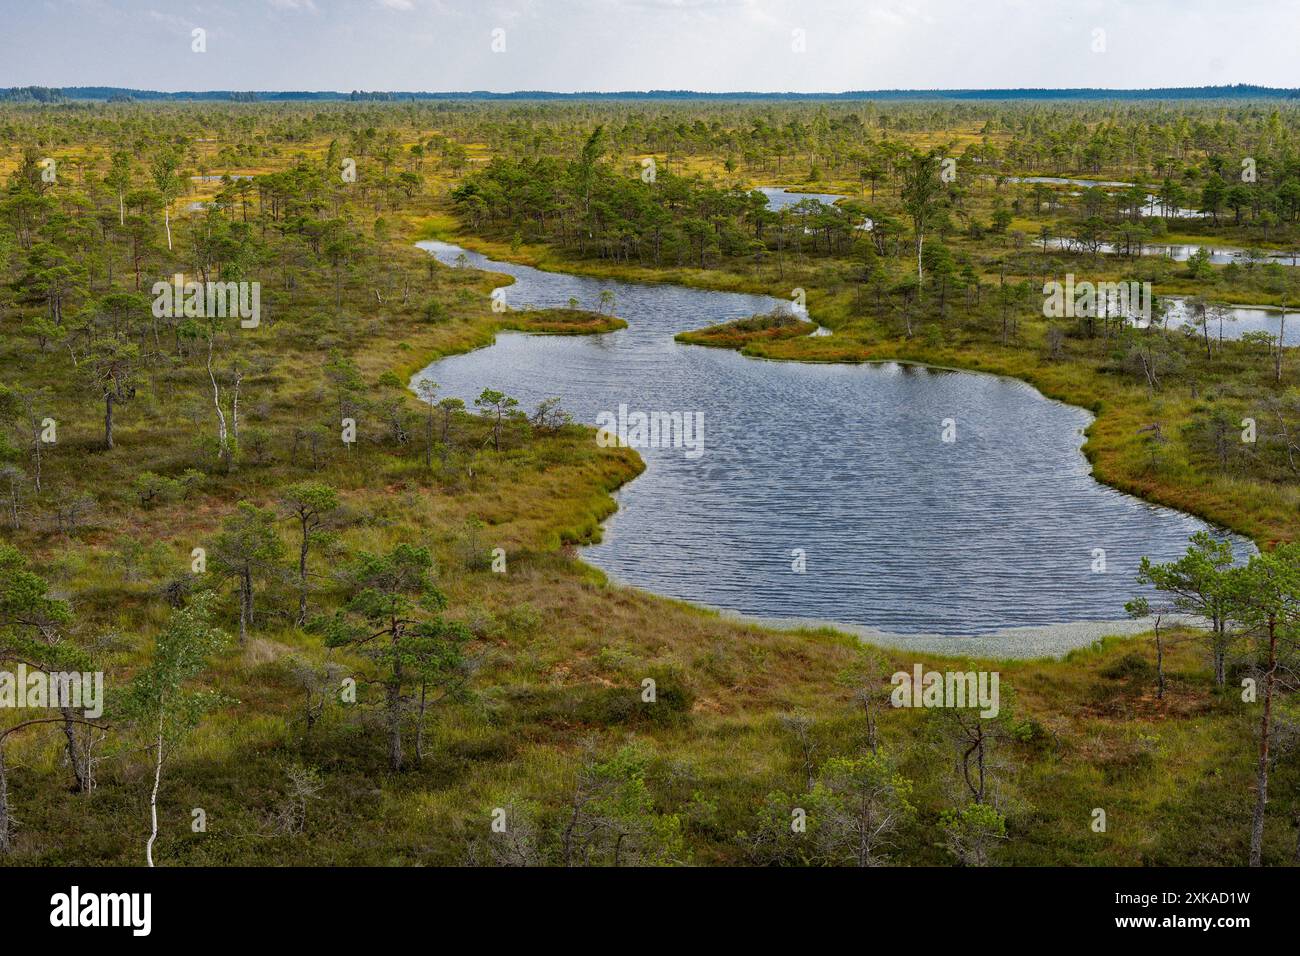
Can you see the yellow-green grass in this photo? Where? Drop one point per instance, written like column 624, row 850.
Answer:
column 564, row 651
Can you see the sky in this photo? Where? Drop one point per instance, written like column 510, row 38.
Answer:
column 591, row 45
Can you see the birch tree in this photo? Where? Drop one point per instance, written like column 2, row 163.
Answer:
column 168, row 183
column 920, row 194
column 160, row 699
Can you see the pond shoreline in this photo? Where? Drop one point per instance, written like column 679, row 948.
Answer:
column 1015, row 641
column 543, row 258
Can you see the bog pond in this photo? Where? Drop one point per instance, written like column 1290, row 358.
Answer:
column 1229, row 321
column 842, row 471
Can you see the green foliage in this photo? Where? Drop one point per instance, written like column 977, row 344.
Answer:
column 160, row 698
column 614, row 821
column 393, row 616
column 973, row 833
column 31, row 619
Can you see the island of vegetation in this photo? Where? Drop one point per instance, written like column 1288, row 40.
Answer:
column 743, row 333
column 570, row 321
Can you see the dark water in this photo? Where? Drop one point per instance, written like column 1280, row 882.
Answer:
column 901, row 531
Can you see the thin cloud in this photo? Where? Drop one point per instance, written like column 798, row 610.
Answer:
column 707, row 45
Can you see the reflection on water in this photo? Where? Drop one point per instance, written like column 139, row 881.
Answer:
column 1233, row 321
column 1219, row 255
column 778, row 197
column 1061, row 181
column 1152, row 207
column 899, row 530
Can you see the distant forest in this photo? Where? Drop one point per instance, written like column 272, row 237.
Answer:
column 45, row 94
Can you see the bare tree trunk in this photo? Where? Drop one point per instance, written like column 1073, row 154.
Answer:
column 88, row 763
column 245, row 604
column 395, row 708
column 1261, row 774
column 873, row 735
column 36, row 454
column 6, row 821
column 153, row 797
column 74, row 751
column 223, row 444
column 428, row 440
column 1281, row 337
column 302, row 578
column 1160, row 665
column 566, row 840
column 234, row 408
column 419, row 726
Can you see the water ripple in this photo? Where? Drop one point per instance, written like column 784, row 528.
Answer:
column 900, row 530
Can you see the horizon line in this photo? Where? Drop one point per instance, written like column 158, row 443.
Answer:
column 95, row 91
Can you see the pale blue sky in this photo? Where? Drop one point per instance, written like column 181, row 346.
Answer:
column 709, row 45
